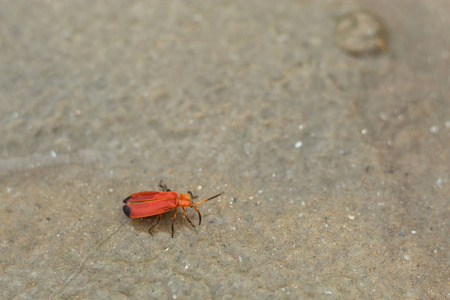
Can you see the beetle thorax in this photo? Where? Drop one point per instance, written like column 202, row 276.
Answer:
column 184, row 200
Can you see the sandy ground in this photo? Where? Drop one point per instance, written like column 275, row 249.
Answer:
column 325, row 124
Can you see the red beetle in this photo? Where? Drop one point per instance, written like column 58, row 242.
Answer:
column 152, row 203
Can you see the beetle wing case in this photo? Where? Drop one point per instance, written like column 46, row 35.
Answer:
column 150, row 196
column 146, row 204
column 147, row 209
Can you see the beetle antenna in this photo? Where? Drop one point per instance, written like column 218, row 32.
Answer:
column 199, row 202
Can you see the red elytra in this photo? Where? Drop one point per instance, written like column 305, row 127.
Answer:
column 152, row 203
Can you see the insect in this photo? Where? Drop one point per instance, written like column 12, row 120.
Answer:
column 152, row 203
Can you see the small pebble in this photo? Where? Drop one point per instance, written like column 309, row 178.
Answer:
column 361, row 32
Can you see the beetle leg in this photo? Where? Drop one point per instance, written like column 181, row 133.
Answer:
column 192, row 196
column 164, row 187
column 174, row 216
column 199, row 215
column 184, row 210
column 150, row 229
